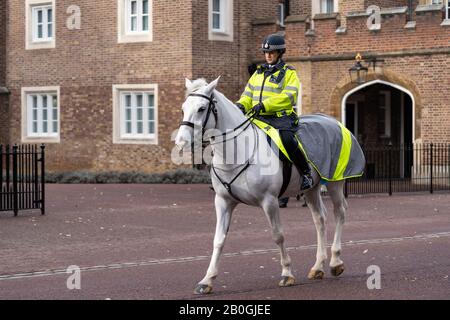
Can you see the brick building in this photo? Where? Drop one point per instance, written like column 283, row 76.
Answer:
column 102, row 82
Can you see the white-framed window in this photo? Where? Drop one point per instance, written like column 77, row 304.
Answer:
column 384, row 114
column 137, row 16
column 220, row 20
column 135, row 20
column 40, row 114
column 135, row 114
column 218, row 13
column 327, row 6
column 40, row 24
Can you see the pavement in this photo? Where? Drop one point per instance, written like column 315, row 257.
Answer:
column 151, row 242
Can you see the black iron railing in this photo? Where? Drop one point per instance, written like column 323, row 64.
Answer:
column 405, row 168
column 22, row 178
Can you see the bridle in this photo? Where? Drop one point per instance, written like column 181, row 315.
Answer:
column 212, row 109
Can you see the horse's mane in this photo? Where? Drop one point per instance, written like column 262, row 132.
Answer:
column 195, row 85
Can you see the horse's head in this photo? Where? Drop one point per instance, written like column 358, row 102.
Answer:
column 199, row 111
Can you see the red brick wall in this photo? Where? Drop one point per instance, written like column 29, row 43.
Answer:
column 392, row 37
column 426, row 77
column 298, row 7
column 4, row 127
column 86, row 63
column 386, row 3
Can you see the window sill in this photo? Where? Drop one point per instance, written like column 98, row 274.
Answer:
column 135, row 37
column 35, row 45
column 41, row 139
column 125, row 140
column 220, row 36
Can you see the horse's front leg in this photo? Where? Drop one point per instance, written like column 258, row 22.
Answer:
column 224, row 210
column 271, row 209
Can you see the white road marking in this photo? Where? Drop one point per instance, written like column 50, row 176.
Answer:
column 52, row 272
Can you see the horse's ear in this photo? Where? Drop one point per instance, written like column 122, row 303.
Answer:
column 188, row 83
column 212, row 85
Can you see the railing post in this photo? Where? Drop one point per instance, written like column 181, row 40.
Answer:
column 389, row 168
column 42, row 180
column 346, row 188
column 431, row 168
column 15, row 192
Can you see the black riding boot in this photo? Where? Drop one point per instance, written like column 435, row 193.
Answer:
column 298, row 159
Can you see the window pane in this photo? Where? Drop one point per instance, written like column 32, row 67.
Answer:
column 54, row 102
column 39, row 16
column 139, row 100
column 140, row 128
column 216, row 21
column 128, row 114
column 44, row 102
column 35, row 114
column 151, row 127
column 34, row 102
column 55, row 126
column 127, row 100
column 133, row 7
column 145, row 23
column 49, row 30
column 49, row 16
column 151, row 114
column 128, row 127
column 44, row 127
column 44, row 115
column 145, row 6
column 151, row 100
column 216, row 5
column 34, row 126
column 139, row 114
column 330, row 6
column 133, row 24
column 39, row 34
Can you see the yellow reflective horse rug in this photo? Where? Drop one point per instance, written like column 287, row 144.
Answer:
column 327, row 145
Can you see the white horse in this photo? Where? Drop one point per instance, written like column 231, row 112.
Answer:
column 251, row 186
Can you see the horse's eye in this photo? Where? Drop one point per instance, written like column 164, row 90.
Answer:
column 201, row 109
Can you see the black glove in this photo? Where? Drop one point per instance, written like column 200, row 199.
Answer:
column 258, row 108
column 241, row 107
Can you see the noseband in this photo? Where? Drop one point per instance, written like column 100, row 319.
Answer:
column 211, row 109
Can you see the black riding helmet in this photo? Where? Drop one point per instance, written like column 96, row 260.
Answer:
column 273, row 42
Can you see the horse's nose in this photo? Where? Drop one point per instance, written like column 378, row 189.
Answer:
column 181, row 140
column 181, row 144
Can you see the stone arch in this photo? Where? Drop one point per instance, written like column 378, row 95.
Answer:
column 387, row 77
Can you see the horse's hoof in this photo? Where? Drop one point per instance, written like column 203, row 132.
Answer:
column 337, row 270
column 202, row 289
column 287, row 281
column 316, row 275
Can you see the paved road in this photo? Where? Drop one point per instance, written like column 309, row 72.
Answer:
column 154, row 242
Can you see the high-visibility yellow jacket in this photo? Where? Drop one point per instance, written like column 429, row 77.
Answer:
column 277, row 89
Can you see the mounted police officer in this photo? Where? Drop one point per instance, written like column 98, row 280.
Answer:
column 271, row 93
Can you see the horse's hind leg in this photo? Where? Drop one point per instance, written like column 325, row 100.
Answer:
column 335, row 190
column 224, row 210
column 270, row 207
column 318, row 211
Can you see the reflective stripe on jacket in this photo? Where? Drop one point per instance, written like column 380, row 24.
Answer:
column 278, row 90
